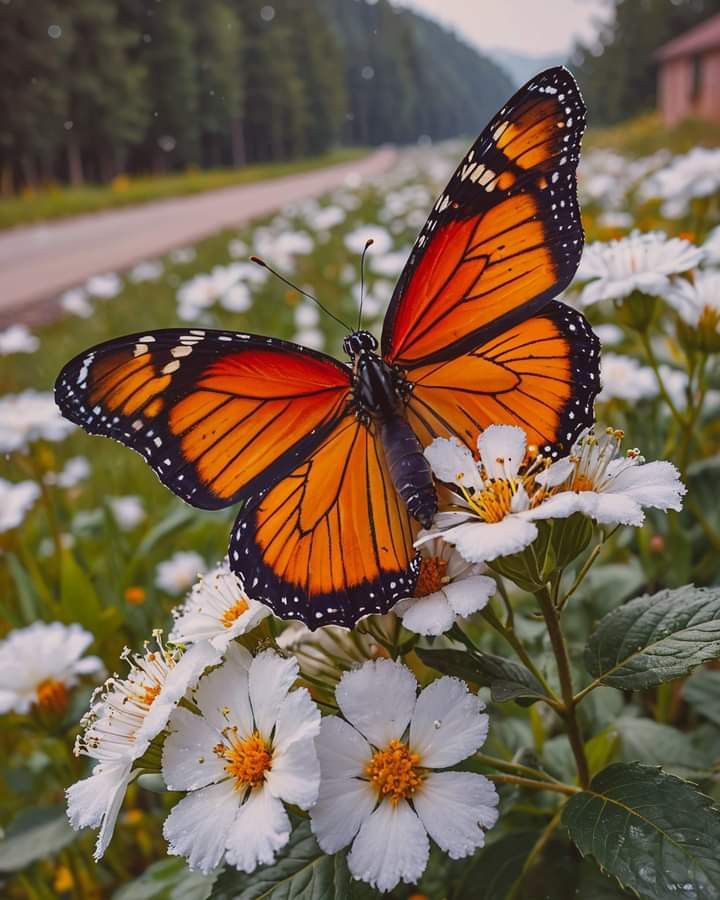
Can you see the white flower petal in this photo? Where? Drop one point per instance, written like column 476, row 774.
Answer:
column 502, row 450
column 453, row 463
column 261, row 829
column 455, row 807
column 343, row 752
column 483, row 541
column 613, row 509
column 271, row 677
column 181, row 678
column 343, row 805
column 295, row 774
column 559, row 506
column 96, row 801
column 431, row 614
column 392, row 845
column 198, row 826
column 556, row 473
column 655, row 484
column 188, row 760
column 298, row 719
column 222, row 697
column 378, row 699
column 470, row 595
column 448, row 724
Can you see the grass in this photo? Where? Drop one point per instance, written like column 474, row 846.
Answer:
column 646, row 134
column 59, row 202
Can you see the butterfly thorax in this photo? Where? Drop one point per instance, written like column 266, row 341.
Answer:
column 379, row 396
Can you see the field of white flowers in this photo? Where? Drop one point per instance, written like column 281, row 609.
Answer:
column 95, row 555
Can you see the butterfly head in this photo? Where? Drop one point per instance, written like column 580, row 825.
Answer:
column 359, row 342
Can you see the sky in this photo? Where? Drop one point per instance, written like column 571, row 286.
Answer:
column 536, row 27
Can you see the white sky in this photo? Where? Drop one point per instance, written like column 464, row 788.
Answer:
column 536, row 27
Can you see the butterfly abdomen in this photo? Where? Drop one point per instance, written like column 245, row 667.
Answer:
column 409, row 469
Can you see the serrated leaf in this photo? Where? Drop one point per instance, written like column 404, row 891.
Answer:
column 33, row 834
column 506, row 679
column 655, row 638
column 495, row 869
column 167, row 879
column 656, row 834
column 301, row 872
column 702, row 692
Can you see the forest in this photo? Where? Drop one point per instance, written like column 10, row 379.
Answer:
column 93, row 88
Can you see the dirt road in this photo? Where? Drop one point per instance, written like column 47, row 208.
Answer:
column 38, row 262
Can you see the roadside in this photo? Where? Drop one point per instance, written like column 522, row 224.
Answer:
column 50, row 204
column 38, row 262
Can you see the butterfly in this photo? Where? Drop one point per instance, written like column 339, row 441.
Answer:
column 325, row 456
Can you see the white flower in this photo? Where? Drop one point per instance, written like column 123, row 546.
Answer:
column 310, row 337
column 607, row 333
column 615, row 218
column 248, row 751
column 75, row 301
column 149, row 270
column 638, row 262
column 694, row 174
column 306, row 315
column 72, row 473
column 15, row 501
column 447, row 587
column 175, row 575
column 379, row 789
column 39, row 664
column 104, row 286
column 182, row 255
column 17, row 339
column 697, row 302
column 624, row 378
column 388, row 264
column 610, row 488
column 204, row 290
column 237, row 298
column 128, row 511
column 238, row 248
column 496, row 502
column 217, row 609
column 711, row 247
column 29, row 416
column 125, row 718
column 382, row 239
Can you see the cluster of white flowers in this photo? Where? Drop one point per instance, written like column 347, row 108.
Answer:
column 30, row 416
column 15, row 502
column 17, row 339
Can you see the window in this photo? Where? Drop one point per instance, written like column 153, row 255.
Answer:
column 696, row 68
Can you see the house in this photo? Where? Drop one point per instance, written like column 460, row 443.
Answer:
column 689, row 74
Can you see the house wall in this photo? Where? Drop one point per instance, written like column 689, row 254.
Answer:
column 675, row 84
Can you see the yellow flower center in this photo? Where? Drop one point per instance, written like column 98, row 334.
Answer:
column 393, row 772
column 150, row 693
column 432, row 576
column 582, row 483
column 234, row 613
column 709, row 319
column 246, row 761
column 494, row 502
column 52, row 696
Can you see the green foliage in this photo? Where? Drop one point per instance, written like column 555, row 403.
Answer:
column 301, row 872
column 33, row 834
column 653, row 832
column 168, row 879
column 655, row 638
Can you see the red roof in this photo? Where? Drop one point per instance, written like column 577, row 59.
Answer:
column 704, row 36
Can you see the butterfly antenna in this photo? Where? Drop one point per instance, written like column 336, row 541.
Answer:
column 368, row 243
column 264, row 265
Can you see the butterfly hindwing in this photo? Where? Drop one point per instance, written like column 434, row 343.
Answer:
column 333, row 541
column 218, row 415
column 505, row 235
column 540, row 374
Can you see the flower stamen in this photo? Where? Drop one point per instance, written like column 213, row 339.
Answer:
column 52, row 696
column 231, row 615
column 393, row 772
column 247, row 761
column 432, row 576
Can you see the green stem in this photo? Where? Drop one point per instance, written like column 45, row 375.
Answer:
column 553, row 786
column 708, row 530
column 694, row 412
column 537, row 849
column 650, row 353
column 505, row 765
column 514, row 641
column 557, row 640
column 585, row 569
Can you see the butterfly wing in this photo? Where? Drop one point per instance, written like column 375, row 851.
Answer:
column 504, row 237
column 218, row 415
column 332, row 541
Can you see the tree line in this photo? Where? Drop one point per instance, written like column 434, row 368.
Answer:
column 93, row 88
column 618, row 70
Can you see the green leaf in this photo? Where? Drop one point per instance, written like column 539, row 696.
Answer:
column 702, row 692
column 301, row 872
column 657, row 744
column 495, row 869
column 600, row 749
column 506, row 679
column 168, row 879
column 531, row 568
column 33, row 834
column 570, row 537
column 656, row 834
column 27, row 597
column 78, row 598
column 655, row 638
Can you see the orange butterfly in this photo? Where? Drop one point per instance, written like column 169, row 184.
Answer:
column 327, row 456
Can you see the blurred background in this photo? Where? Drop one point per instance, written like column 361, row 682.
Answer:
column 147, row 148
